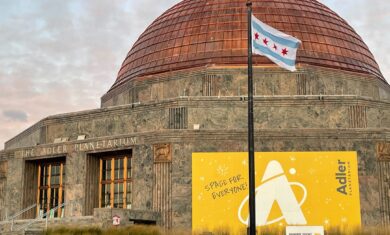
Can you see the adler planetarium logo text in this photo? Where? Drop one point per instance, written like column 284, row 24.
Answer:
column 344, row 177
column 79, row 147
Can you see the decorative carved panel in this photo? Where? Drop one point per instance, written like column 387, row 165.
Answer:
column 162, row 186
column 383, row 155
column 357, row 116
column 384, row 191
column 208, row 85
column 301, row 84
column 178, row 118
column 162, row 153
column 383, row 151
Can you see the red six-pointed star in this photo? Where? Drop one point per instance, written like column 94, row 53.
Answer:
column 275, row 47
column 265, row 41
column 256, row 36
column 284, row 51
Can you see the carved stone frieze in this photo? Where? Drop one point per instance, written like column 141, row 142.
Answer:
column 383, row 151
column 162, row 153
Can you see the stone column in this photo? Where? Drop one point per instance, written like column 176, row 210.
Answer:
column 142, row 161
column 3, row 183
column 383, row 155
column 182, row 185
column 14, row 188
column 162, row 186
column 74, row 182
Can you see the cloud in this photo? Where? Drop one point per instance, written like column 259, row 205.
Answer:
column 62, row 56
column 15, row 115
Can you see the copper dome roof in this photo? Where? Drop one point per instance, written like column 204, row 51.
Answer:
column 195, row 33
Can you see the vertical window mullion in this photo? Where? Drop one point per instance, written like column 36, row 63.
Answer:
column 60, row 199
column 124, row 182
column 100, row 183
column 38, row 193
column 48, row 190
column 112, row 182
column 129, row 183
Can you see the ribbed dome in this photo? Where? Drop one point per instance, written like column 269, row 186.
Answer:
column 197, row 33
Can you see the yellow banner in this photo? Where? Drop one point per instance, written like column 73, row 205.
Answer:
column 292, row 188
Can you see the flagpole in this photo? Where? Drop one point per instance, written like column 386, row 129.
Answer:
column 251, row 148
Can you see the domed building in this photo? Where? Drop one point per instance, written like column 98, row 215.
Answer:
column 182, row 89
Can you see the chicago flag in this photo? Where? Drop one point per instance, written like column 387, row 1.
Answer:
column 277, row 46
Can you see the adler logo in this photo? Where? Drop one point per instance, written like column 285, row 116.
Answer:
column 275, row 187
column 341, row 177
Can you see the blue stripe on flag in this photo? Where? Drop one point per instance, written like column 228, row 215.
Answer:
column 274, row 38
column 268, row 51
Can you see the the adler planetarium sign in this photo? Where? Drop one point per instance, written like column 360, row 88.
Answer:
column 289, row 190
column 64, row 148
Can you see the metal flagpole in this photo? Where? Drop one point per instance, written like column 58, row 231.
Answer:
column 251, row 148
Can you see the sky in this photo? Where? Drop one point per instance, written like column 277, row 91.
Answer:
column 61, row 56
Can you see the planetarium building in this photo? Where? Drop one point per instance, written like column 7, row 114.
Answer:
column 181, row 92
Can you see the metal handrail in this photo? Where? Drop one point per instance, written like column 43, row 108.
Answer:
column 20, row 212
column 17, row 214
column 24, row 227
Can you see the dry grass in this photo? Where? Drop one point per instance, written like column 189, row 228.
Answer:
column 364, row 231
column 153, row 230
column 130, row 230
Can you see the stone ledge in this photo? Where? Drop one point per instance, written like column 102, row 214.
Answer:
column 179, row 136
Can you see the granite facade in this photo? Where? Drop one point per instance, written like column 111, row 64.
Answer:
column 3, row 183
column 311, row 110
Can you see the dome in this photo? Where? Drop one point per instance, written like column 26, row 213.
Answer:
column 198, row 33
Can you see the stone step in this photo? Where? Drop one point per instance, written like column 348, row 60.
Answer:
column 27, row 232
column 13, row 233
column 38, row 226
column 19, row 224
column 34, row 232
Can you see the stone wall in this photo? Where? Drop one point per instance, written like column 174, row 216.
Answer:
column 142, row 177
column 330, row 97
column 281, row 141
column 30, row 137
column 311, row 110
column 185, row 142
column 232, row 81
column 75, row 184
column 3, row 183
column 215, row 113
column 15, row 185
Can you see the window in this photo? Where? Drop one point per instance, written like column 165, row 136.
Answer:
column 115, row 182
column 50, row 189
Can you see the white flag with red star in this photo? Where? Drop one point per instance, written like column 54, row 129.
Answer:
column 277, row 46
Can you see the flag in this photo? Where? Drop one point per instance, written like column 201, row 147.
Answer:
column 275, row 45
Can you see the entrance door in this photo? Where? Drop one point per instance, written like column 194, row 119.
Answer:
column 115, row 182
column 50, row 189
